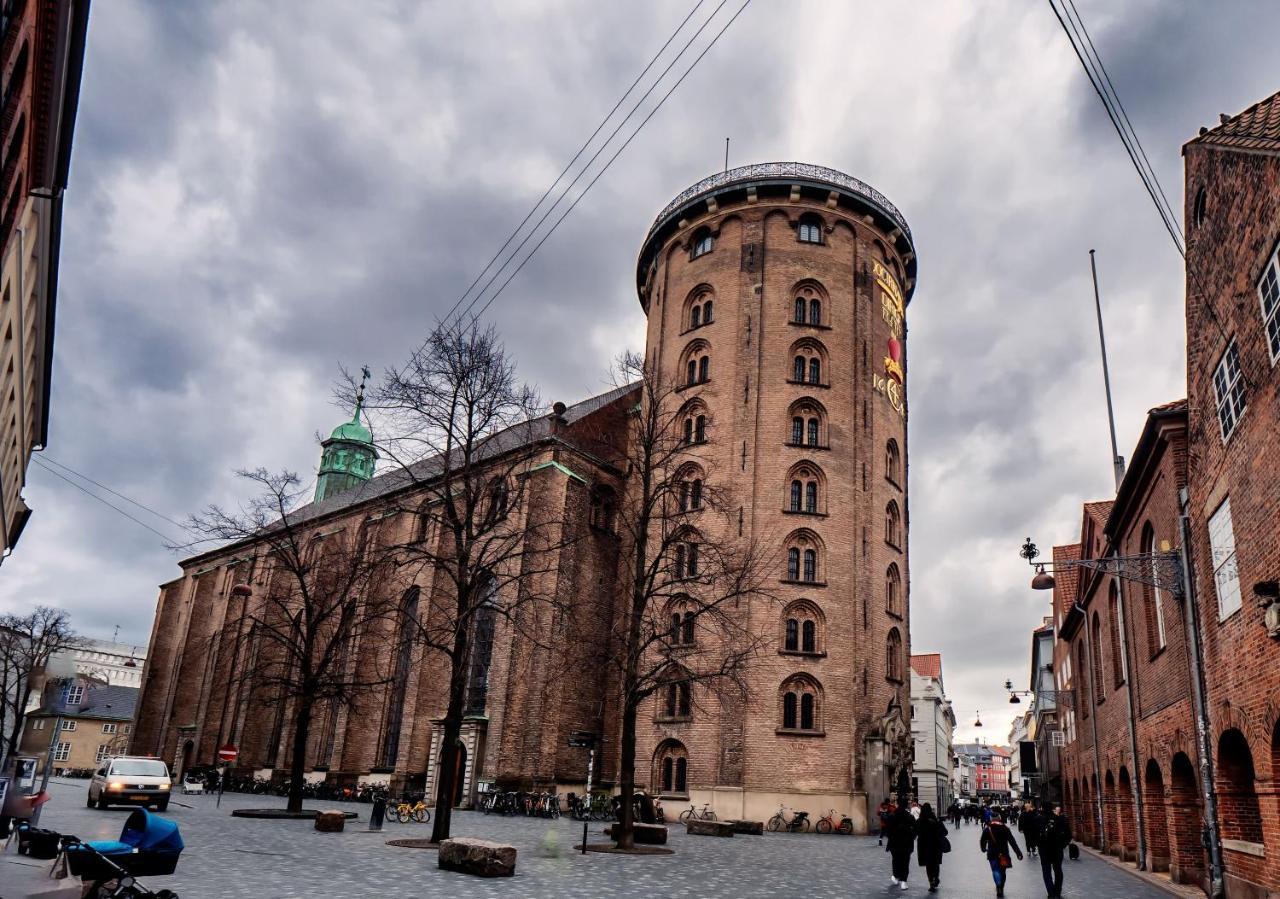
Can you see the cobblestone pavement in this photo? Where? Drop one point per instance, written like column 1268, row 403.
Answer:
column 234, row 857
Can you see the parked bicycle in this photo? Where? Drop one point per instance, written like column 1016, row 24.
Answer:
column 693, row 813
column 828, row 823
column 797, row 823
column 405, row 811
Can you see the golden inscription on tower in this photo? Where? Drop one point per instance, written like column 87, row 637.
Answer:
column 892, row 305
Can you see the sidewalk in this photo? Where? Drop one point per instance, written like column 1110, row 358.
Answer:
column 1160, row 881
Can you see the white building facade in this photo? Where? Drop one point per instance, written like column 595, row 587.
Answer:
column 932, row 730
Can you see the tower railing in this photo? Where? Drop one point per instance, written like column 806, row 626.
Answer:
column 767, row 171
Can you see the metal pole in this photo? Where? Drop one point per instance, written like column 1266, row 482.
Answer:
column 1199, row 702
column 591, row 763
column 726, row 154
column 48, row 768
column 1127, row 670
column 1117, row 460
column 1097, row 762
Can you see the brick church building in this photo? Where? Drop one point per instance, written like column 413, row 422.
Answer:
column 776, row 297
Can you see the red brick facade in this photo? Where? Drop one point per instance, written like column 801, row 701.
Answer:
column 795, row 364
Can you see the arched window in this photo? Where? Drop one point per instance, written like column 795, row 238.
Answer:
column 698, row 307
column 704, row 369
column 1099, row 693
column 808, row 362
column 691, row 490
column 691, row 377
column 695, row 423
column 893, row 590
column 892, row 462
column 799, row 315
column 499, row 498
column 892, row 525
column 1237, row 789
column 811, row 496
column 815, row 311
column 811, row 432
column 483, row 623
column 801, row 704
column 797, row 429
column 808, row 420
column 702, row 243
column 1198, row 208
column 1152, row 594
column 809, row 229
column 810, row 566
column 695, row 316
column 1081, row 675
column 796, row 488
column 424, row 526
column 671, row 768
column 793, row 564
column 1117, row 658
column 807, row 307
column 798, row 369
column 815, row 370
column 604, row 506
column 802, row 628
column 803, row 562
column 686, row 552
column 678, row 700
column 403, row 655
column 893, row 655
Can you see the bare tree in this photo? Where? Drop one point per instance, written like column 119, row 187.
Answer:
column 464, row 435
column 316, row 599
column 27, row 643
column 691, row 576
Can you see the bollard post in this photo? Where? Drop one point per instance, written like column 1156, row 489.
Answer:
column 379, row 812
column 591, row 763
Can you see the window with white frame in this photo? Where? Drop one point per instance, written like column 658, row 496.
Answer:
column 103, row 752
column 1269, row 294
column 62, row 752
column 1228, row 391
column 38, row 724
column 108, row 728
column 72, row 695
column 68, row 725
column 1222, row 543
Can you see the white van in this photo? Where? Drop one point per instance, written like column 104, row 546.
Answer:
column 130, row 780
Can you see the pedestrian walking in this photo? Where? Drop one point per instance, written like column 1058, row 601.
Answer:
column 915, row 809
column 884, row 813
column 996, row 841
column 900, row 843
column 1055, row 837
column 1029, row 826
column 931, row 843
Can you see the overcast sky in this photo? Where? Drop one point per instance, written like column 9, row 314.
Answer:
column 260, row 196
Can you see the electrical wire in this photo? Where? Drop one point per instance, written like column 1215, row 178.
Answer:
column 169, row 541
column 576, row 156
column 610, row 162
column 45, row 457
column 564, row 193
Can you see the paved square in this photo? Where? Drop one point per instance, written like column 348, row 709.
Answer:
column 234, row 857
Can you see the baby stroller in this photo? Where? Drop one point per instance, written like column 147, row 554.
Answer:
column 149, row 846
column 192, row 783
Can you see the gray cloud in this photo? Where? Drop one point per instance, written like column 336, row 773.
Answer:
column 259, row 197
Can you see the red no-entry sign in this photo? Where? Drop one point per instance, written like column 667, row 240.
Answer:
column 228, row 753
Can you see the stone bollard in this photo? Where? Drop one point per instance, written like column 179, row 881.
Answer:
column 748, row 827
column 645, row 834
column 482, row 858
column 709, row 828
column 330, row 821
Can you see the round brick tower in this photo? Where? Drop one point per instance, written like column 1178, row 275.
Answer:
column 776, row 295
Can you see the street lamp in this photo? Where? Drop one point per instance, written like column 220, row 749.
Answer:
column 978, row 721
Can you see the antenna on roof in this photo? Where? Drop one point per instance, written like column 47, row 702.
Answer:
column 726, row 154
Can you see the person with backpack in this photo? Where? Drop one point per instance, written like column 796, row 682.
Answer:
column 931, row 843
column 900, row 844
column 996, row 841
column 1055, row 837
column 884, row 813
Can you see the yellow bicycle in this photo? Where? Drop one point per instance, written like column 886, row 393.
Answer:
column 404, row 812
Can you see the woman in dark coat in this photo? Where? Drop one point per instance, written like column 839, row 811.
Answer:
column 996, row 841
column 931, row 833
column 901, row 842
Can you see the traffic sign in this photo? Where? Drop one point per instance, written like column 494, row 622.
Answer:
column 228, row 753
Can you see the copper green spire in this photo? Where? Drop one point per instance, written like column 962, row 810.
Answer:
column 349, row 457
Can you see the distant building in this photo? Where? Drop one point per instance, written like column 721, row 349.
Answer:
column 933, row 726
column 41, row 55
column 990, row 765
column 116, row 664
column 96, row 723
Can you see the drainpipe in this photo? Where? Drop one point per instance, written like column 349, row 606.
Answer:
column 1127, row 671
column 1192, row 619
column 1097, row 762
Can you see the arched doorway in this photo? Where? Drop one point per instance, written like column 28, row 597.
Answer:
column 1110, row 836
column 1125, row 826
column 1237, row 793
column 184, row 759
column 459, row 775
column 1157, row 826
column 1186, row 852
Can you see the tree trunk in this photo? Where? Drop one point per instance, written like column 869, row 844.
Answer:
column 627, row 778
column 301, row 731
column 446, row 779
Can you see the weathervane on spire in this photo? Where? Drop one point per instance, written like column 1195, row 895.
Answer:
column 365, row 376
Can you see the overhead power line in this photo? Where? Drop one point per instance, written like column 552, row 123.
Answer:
column 576, row 156
column 476, row 316
column 169, row 541
column 44, row 457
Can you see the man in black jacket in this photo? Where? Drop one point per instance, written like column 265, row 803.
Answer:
column 1055, row 836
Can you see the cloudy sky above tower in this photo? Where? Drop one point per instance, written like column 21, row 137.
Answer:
column 259, row 197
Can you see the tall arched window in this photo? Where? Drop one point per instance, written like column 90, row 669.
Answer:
column 892, row 462
column 695, row 422
column 893, row 655
column 704, row 369
column 699, row 307
column 686, row 553
column 1099, row 692
column 695, row 316
column 1117, row 657
column 807, row 423
column 815, row 311
column 671, row 768
column 793, row 564
column 791, row 640
column 811, row 496
column 678, row 700
column 798, row 316
column 811, row 432
column 810, row 565
column 892, row 525
column 815, row 370
column 807, row 305
column 403, row 654
column 803, row 627
column 808, row 636
column 483, row 622
column 707, row 310
column 796, row 489
column 1081, row 675
column 803, row 562
column 808, row 362
column 801, row 704
column 893, row 590
column 797, row 430
column 1152, row 594
column 798, row 369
